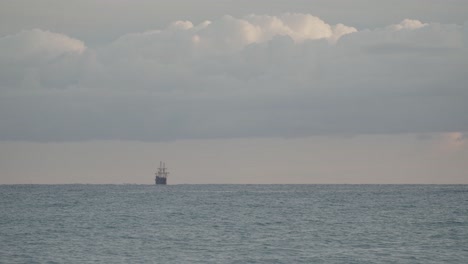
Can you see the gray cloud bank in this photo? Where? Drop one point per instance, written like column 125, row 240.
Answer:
column 257, row 76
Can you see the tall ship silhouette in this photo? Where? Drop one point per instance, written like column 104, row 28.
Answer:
column 161, row 175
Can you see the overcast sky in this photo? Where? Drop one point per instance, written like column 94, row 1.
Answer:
column 325, row 91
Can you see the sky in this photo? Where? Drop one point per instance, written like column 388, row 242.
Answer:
column 234, row 91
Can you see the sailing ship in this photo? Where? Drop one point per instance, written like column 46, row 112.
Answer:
column 161, row 175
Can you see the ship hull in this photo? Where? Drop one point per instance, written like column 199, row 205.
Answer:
column 161, row 180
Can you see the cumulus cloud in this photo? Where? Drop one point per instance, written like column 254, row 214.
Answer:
column 259, row 75
column 258, row 29
column 230, row 34
column 407, row 24
column 39, row 45
column 36, row 58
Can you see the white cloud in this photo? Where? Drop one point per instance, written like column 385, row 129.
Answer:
column 408, row 24
column 36, row 58
column 233, row 34
column 259, row 75
column 38, row 45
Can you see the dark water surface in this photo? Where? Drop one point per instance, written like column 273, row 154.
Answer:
column 234, row 224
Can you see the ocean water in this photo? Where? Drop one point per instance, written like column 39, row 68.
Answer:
column 234, row 224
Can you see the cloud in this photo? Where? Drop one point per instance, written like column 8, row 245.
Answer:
column 38, row 45
column 289, row 75
column 407, row 24
column 37, row 58
column 259, row 29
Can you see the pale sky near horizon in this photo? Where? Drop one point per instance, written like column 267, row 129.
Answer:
column 232, row 91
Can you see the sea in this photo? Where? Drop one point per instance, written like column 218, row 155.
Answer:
column 234, row 224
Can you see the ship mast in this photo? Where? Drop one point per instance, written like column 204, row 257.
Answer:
column 162, row 170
